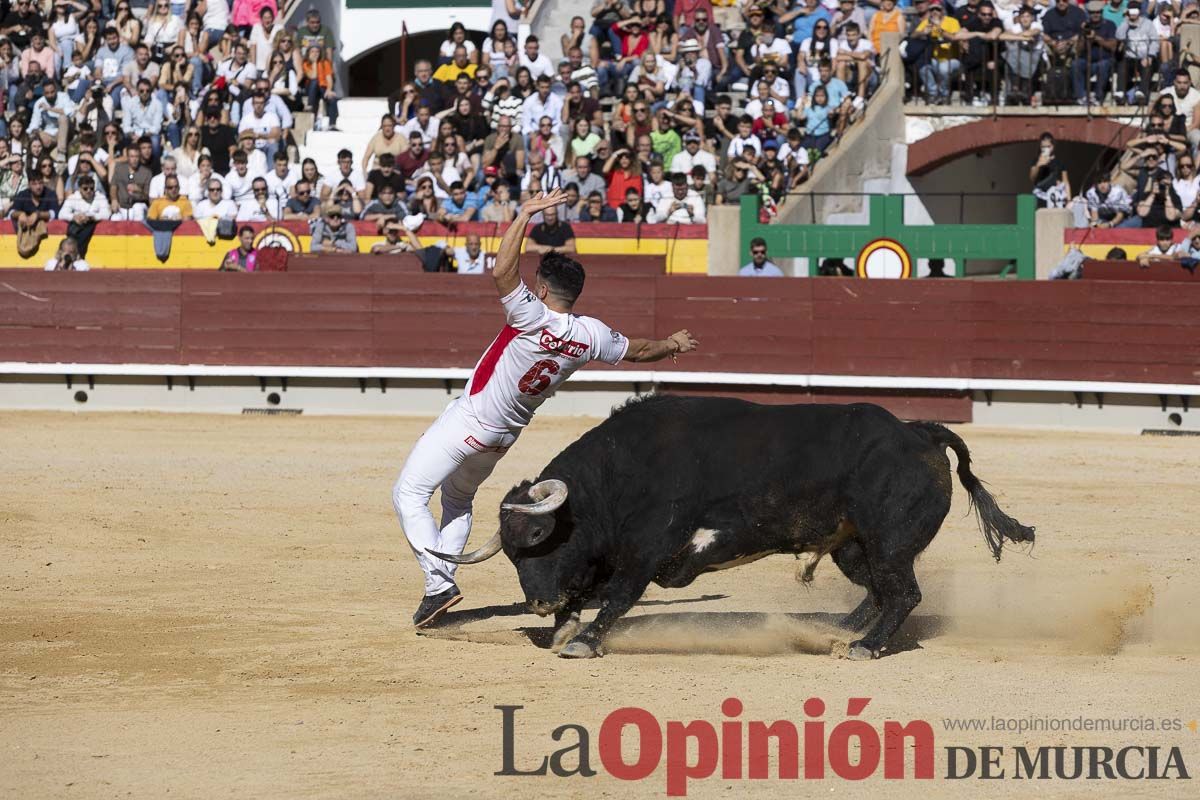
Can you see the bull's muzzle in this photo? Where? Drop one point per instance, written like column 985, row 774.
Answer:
column 544, row 608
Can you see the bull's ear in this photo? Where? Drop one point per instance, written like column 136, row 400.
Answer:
column 530, row 530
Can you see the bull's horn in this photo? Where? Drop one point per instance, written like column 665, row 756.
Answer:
column 489, row 549
column 549, row 494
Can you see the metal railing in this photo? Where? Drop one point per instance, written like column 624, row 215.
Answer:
column 999, row 82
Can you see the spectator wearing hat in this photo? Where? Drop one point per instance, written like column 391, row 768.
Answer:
column 682, row 206
column 945, row 58
column 1140, row 54
column 332, row 234
column 712, row 45
column 693, row 155
column 1098, row 46
column 743, row 49
column 695, row 73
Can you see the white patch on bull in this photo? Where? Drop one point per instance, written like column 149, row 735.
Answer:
column 703, row 539
column 737, row 562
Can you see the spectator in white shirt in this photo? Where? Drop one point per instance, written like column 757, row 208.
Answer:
column 691, row 155
column 215, row 204
column 260, row 206
column 255, row 159
column 744, row 139
column 281, row 179
column 424, row 122
column 197, row 185
column 267, row 128
column 471, row 259
column 536, row 62
column 82, row 210
column 169, row 170
column 51, row 114
column 542, row 103
column 239, row 181
column 683, row 206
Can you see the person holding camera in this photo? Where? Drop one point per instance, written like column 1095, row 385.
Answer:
column 1097, row 49
column 1157, row 203
column 67, row 258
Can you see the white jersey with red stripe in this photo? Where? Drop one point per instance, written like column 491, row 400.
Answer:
column 536, row 351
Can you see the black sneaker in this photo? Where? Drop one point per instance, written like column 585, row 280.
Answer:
column 434, row 605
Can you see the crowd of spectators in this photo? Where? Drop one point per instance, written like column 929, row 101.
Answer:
column 159, row 110
column 643, row 111
column 1051, row 52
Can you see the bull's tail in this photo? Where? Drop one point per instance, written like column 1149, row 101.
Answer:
column 996, row 525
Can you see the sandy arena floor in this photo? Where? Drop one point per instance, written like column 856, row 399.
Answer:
column 196, row 606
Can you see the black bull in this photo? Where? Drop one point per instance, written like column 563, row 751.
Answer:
column 670, row 487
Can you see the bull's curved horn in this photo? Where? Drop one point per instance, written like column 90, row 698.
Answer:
column 489, row 549
column 548, row 494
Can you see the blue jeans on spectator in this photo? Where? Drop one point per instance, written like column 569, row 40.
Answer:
column 215, row 35
column 198, row 65
column 938, row 75
column 315, row 95
column 800, row 84
column 1102, row 69
column 819, row 142
column 63, row 59
column 608, row 75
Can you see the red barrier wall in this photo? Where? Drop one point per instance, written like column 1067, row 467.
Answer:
column 1081, row 330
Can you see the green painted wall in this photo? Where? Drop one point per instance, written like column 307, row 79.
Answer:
column 957, row 242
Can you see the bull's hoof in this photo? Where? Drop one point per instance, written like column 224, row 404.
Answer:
column 579, row 649
column 858, row 652
column 565, row 633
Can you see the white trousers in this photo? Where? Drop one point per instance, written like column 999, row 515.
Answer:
column 457, row 455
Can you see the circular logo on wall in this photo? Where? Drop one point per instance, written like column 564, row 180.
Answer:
column 277, row 237
column 884, row 258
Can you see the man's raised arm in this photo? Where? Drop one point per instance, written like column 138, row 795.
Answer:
column 507, row 273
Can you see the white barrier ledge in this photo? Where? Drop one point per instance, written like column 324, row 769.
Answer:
column 612, row 376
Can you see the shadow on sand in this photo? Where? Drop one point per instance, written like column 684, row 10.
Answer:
column 707, row 632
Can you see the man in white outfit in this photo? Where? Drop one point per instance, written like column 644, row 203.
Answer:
column 538, row 349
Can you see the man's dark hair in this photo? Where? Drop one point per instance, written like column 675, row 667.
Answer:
column 596, row 196
column 679, row 179
column 387, row 160
column 724, row 98
column 852, row 26
column 564, row 276
column 454, row 187
column 1116, row 254
column 1182, row 72
column 570, row 186
column 699, row 171
column 758, row 241
column 344, row 153
column 1164, row 232
column 245, row 228
column 281, row 155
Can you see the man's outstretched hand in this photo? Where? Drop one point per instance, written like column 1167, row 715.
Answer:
column 543, row 201
column 684, row 341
